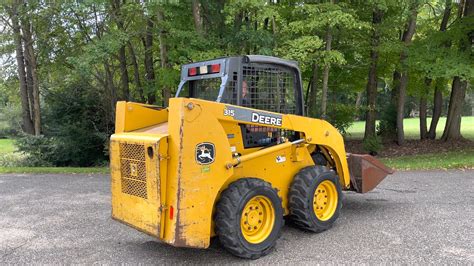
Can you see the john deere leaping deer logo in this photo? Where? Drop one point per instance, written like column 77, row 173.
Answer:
column 205, row 153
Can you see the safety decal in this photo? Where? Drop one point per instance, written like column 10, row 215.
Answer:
column 280, row 159
column 205, row 153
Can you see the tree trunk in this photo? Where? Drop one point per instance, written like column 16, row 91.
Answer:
column 438, row 94
column 377, row 16
column 423, row 128
column 27, row 123
column 452, row 130
column 31, row 58
column 124, row 73
column 437, row 109
column 136, row 72
column 149, row 68
column 122, row 56
column 403, row 82
column 274, row 31
column 313, row 93
column 166, row 92
column 112, row 91
column 358, row 100
column 196, row 6
column 324, row 92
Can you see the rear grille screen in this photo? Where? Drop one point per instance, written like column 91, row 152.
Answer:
column 133, row 169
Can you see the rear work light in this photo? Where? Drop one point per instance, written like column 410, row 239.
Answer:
column 202, row 70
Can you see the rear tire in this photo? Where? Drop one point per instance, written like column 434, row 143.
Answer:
column 249, row 218
column 315, row 198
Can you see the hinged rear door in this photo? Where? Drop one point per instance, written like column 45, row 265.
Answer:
column 135, row 170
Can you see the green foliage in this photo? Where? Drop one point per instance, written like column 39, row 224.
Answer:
column 341, row 116
column 13, row 159
column 37, row 151
column 388, row 121
column 10, row 116
column 75, row 129
column 77, row 46
column 373, row 145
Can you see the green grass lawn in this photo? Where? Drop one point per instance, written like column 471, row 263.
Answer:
column 6, row 146
column 412, row 128
column 55, row 170
column 448, row 160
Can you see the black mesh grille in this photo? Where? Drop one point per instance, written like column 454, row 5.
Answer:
column 133, row 169
column 207, row 89
column 268, row 87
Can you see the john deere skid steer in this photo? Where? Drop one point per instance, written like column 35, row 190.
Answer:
column 230, row 157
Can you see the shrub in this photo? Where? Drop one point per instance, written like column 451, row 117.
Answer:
column 13, row 159
column 341, row 116
column 10, row 120
column 37, row 150
column 387, row 128
column 373, row 145
column 76, row 127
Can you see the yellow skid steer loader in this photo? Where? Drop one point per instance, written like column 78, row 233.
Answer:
column 230, row 157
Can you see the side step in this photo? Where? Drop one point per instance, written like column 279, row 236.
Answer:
column 366, row 172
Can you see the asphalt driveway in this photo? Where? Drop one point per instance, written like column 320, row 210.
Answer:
column 413, row 217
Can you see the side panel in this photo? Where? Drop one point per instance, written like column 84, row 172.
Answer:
column 193, row 187
column 135, row 184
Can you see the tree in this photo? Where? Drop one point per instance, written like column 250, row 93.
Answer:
column 452, row 130
column 438, row 95
column 377, row 17
column 117, row 16
column 26, row 67
column 400, row 77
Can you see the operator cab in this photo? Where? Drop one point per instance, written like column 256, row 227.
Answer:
column 254, row 81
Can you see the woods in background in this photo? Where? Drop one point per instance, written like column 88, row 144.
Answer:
column 66, row 63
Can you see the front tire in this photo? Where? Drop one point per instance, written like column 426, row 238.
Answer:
column 249, row 218
column 315, row 198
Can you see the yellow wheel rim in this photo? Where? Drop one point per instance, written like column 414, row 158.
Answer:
column 325, row 200
column 258, row 218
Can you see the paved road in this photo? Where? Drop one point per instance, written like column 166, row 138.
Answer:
column 413, row 217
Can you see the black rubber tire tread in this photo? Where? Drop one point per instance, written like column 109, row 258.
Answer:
column 228, row 214
column 300, row 198
column 319, row 159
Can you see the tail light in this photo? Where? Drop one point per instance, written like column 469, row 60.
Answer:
column 192, row 71
column 203, row 70
column 216, row 68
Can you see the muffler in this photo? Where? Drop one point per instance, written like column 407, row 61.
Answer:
column 366, row 172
